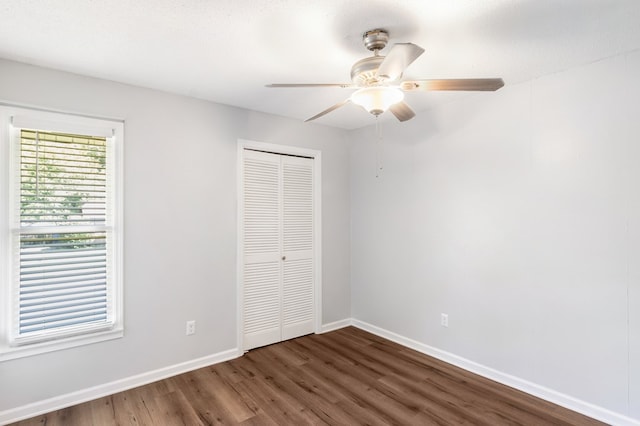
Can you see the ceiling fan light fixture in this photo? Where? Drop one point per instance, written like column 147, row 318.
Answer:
column 377, row 100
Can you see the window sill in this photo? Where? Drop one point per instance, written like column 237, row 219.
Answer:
column 9, row 352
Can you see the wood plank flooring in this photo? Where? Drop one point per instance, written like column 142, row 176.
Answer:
column 346, row 377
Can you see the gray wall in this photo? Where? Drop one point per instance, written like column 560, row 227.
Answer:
column 517, row 213
column 180, row 226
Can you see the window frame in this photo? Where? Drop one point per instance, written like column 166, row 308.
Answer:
column 12, row 118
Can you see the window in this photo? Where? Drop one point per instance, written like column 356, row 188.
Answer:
column 62, row 231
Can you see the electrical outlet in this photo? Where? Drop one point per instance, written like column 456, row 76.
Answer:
column 444, row 320
column 191, row 327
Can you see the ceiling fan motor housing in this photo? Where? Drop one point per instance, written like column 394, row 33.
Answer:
column 363, row 72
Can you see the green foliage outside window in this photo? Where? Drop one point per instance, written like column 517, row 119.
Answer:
column 62, row 183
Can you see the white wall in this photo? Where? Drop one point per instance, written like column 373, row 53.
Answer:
column 518, row 214
column 180, row 226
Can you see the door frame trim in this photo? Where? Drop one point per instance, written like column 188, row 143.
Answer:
column 244, row 144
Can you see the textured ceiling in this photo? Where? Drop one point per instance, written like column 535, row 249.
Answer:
column 227, row 50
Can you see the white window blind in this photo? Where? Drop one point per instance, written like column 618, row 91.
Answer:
column 63, row 235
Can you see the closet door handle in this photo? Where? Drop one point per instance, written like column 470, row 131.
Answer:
column 284, row 257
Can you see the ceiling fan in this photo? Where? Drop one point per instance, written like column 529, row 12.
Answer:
column 377, row 79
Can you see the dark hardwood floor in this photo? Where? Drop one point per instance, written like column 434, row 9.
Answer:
column 345, row 377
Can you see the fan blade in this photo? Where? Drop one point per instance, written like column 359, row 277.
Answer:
column 402, row 111
column 399, row 58
column 342, row 85
column 477, row 84
column 328, row 110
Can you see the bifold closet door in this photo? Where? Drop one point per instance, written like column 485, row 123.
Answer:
column 277, row 248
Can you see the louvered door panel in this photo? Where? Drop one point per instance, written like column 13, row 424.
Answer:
column 297, row 306
column 262, row 306
column 297, row 204
column 262, row 269
column 261, row 204
column 297, row 243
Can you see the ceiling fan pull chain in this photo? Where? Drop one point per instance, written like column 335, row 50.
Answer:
column 378, row 147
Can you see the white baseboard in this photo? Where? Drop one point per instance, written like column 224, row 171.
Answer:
column 541, row 392
column 84, row 395
column 336, row 325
